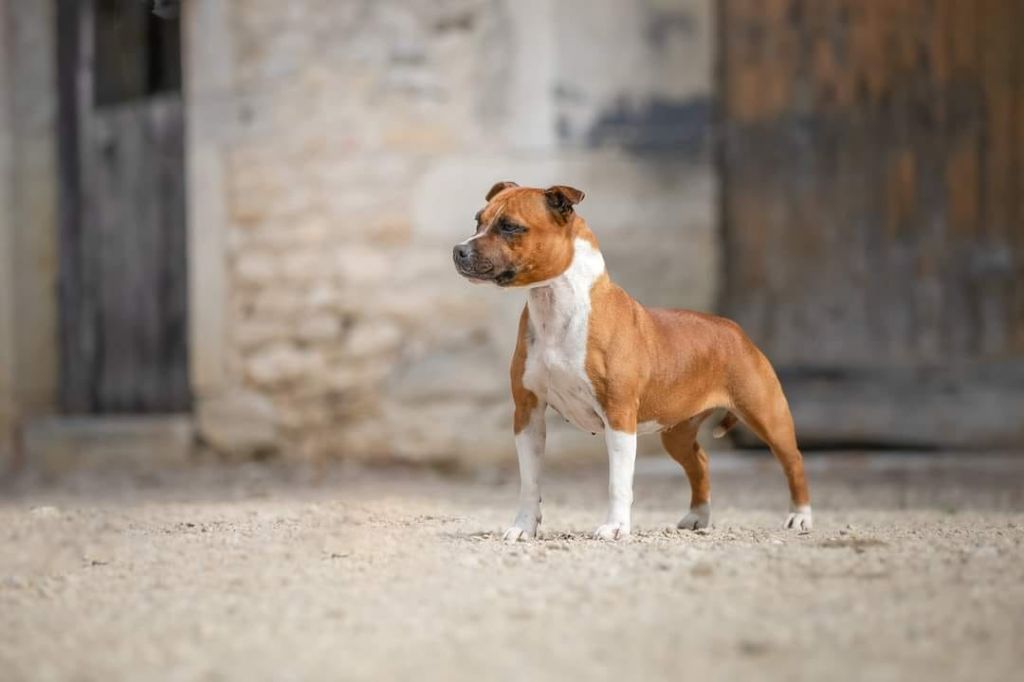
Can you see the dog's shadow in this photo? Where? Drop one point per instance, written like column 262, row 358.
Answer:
column 561, row 537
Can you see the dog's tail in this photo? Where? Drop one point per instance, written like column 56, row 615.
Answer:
column 724, row 426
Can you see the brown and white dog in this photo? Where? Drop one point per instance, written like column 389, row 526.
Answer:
column 606, row 363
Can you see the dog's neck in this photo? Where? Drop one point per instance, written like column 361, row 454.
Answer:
column 562, row 304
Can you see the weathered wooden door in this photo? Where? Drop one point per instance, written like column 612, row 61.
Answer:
column 123, row 285
column 872, row 164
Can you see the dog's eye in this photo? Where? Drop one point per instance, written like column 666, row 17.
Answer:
column 511, row 228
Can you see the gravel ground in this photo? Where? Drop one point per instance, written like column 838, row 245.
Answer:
column 915, row 569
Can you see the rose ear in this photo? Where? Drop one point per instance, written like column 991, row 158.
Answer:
column 498, row 187
column 561, row 198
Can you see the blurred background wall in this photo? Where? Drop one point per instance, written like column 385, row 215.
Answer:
column 244, row 215
column 355, row 141
column 334, row 153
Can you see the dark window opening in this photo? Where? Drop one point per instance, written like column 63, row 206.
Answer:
column 138, row 54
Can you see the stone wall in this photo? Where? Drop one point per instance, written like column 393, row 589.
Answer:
column 348, row 145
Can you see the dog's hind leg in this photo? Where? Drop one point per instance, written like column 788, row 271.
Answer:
column 680, row 442
column 763, row 408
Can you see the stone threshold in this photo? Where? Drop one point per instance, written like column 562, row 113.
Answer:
column 62, row 444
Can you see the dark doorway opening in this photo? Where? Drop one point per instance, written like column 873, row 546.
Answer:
column 123, row 275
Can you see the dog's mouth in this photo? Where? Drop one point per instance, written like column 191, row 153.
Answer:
column 505, row 277
column 486, row 272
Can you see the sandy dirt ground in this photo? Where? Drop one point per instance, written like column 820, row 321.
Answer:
column 915, row 570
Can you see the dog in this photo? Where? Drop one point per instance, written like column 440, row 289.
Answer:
column 608, row 364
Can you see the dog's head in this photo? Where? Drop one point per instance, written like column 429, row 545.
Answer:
column 524, row 236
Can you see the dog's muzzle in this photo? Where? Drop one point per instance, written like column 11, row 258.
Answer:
column 470, row 266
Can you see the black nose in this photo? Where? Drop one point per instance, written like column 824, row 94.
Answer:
column 461, row 252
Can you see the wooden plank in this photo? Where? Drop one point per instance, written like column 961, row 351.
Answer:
column 76, row 321
column 1016, row 300
column 136, row 234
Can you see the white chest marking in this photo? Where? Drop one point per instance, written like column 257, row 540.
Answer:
column 557, row 340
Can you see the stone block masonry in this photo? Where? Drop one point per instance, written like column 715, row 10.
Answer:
column 357, row 141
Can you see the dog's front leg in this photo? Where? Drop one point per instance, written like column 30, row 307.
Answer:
column 530, row 449
column 621, row 460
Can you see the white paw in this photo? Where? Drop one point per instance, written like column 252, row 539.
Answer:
column 612, row 531
column 515, row 534
column 699, row 517
column 799, row 519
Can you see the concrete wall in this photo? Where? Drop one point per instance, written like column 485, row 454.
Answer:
column 7, row 390
column 28, row 206
column 345, row 146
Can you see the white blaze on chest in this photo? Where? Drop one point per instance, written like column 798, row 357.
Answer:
column 556, row 351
